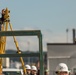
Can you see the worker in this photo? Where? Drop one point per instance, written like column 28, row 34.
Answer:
column 46, row 72
column 2, row 18
column 28, row 69
column 2, row 15
column 33, row 70
column 62, row 69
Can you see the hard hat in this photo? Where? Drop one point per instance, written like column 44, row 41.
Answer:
column 27, row 66
column 62, row 67
column 34, row 68
column 46, row 70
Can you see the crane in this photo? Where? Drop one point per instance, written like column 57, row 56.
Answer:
column 4, row 23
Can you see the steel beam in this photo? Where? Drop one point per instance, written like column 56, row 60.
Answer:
column 20, row 33
column 26, row 33
column 20, row 55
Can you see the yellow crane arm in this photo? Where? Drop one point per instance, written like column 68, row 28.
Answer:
column 18, row 51
column 3, row 27
column 4, row 22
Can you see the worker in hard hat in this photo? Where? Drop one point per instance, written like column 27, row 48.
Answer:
column 28, row 69
column 62, row 69
column 46, row 72
column 33, row 70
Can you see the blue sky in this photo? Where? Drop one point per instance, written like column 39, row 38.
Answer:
column 52, row 17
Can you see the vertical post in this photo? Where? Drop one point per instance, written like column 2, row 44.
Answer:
column 41, row 55
column 29, row 51
column 67, row 35
column 73, row 35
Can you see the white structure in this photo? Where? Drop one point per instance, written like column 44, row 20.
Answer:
column 6, row 62
column 12, row 71
column 61, row 53
column 18, row 64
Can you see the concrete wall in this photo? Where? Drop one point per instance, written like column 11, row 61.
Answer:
column 61, row 53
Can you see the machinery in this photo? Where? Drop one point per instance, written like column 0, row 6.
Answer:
column 4, row 23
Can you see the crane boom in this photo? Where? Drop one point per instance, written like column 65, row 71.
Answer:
column 4, row 22
column 18, row 51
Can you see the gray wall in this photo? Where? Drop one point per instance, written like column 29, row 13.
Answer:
column 64, row 53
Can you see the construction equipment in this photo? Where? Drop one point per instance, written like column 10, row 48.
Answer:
column 4, row 22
